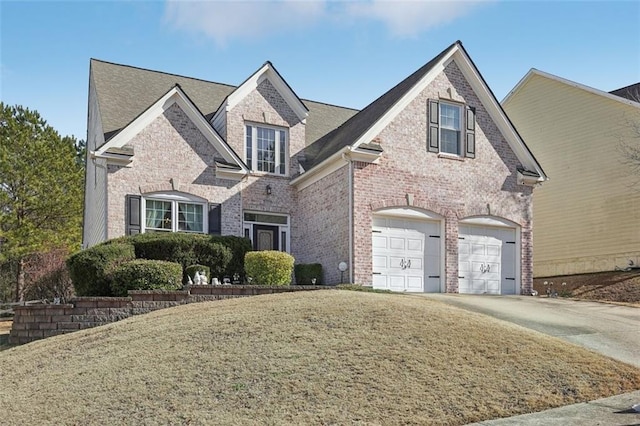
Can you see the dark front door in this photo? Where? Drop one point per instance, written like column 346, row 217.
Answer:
column 265, row 237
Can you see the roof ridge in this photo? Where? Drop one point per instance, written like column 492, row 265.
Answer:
column 162, row 72
column 330, row 105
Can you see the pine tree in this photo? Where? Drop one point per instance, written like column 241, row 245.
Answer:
column 41, row 185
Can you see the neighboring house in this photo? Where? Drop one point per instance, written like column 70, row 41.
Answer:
column 587, row 217
column 427, row 189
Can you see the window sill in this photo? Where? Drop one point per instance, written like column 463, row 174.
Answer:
column 267, row 174
column 450, row 156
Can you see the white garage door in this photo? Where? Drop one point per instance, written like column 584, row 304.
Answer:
column 406, row 254
column 487, row 260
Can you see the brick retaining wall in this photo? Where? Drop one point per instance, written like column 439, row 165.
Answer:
column 36, row 322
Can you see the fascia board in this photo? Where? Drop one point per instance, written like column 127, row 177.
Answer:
column 534, row 72
column 321, row 170
column 393, row 112
column 333, row 163
column 496, row 112
column 266, row 71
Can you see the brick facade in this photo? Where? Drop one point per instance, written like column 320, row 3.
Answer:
column 454, row 188
column 171, row 154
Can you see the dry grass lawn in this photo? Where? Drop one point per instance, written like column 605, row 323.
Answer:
column 326, row 357
column 613, row 287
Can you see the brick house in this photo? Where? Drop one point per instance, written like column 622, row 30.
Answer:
column 427, row 189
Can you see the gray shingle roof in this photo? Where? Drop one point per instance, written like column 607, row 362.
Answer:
column 124, row 92
column 357, row 125
column 631, row 92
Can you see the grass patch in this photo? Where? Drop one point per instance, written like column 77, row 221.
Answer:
column 325, row 357
column 357, row 287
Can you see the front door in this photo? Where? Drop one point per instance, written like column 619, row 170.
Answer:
column 265, row 237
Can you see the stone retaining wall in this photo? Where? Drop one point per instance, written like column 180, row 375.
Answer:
column 36, row 322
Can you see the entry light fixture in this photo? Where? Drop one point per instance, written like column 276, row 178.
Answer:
column 268, row 189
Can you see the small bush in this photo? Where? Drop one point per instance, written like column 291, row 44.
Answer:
column 142, row 274
column 269, row 267
column 305, row 272
column 89, row 269
column 239, row 246
column 191, row 271
column 47, row 276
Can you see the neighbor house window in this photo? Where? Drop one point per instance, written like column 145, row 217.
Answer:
column 266, row 149
column 173, row 216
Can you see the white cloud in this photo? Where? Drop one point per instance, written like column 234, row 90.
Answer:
column 226, row 20
column 409, row 18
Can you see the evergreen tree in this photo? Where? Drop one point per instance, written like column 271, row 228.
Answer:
column 41, row 189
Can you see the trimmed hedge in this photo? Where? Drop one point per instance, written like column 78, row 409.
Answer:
column 269, row 267
column 306, row 271
column 185, row 249
column 89, row 269
column 239, row 246
column 223, row 255
column 142, row 274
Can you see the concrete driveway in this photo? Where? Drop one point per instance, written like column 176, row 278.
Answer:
column 611, row 330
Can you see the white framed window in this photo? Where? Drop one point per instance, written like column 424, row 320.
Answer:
column 450, row 128
column 266, row 149
column 171, row 212
column 267, row 231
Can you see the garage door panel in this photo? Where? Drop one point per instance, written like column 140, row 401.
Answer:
column 414, row 284
column 464, row 267
column 463, row 248
column 477, row 249
column 396, row 262
column 396, row 243
column 380, row 281
column 379, row 221
column 380, row 241
column 414, row 244
column 397, row 282
column 493, row 250
column 380, row 262
column 416, row 264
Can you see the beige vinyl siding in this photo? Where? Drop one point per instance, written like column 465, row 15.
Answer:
column 95, row 199
column 587, row 216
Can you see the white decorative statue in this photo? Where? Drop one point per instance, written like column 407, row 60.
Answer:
column 196, row 278
column 203, row 279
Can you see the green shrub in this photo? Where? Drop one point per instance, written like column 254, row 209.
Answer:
column 239, row 246
column 269, row 267
column 191, row 271
column 305, row 272
column 89, row 269
column 142, row 274
column 185, row 249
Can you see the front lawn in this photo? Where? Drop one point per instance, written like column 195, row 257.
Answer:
column 325, row 357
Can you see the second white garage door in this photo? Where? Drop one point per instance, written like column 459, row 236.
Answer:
column 487, row 260
column 406, row 254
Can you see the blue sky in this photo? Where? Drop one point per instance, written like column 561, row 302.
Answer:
column 344, row 53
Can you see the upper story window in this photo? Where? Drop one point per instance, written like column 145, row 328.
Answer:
column 452, row 129
column 266, row 149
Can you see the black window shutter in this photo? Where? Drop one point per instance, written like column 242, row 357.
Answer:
column 433, row 136
column 132, row 214
column 215, row 218
column 470, row 145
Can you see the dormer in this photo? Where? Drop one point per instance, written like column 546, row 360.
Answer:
column 263, row 120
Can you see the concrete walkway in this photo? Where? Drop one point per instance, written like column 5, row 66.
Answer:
column 611, row 330
column 612, row 411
